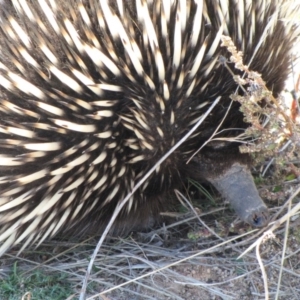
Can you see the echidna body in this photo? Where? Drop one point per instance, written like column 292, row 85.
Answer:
column 94, row 93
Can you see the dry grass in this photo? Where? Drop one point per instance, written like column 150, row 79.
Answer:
column 178, row 261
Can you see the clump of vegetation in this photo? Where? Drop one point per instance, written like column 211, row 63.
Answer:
column 35, row 285
column 271, row 127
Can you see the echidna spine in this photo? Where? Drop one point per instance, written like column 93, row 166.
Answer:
column 93, row 93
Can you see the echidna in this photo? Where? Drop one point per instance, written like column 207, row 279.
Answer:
column 93, row 93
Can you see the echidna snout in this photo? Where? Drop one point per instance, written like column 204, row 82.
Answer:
column 229, row 172
column 94, row 93
column 237, row 186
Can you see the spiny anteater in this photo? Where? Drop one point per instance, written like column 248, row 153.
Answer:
column 93, row 93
